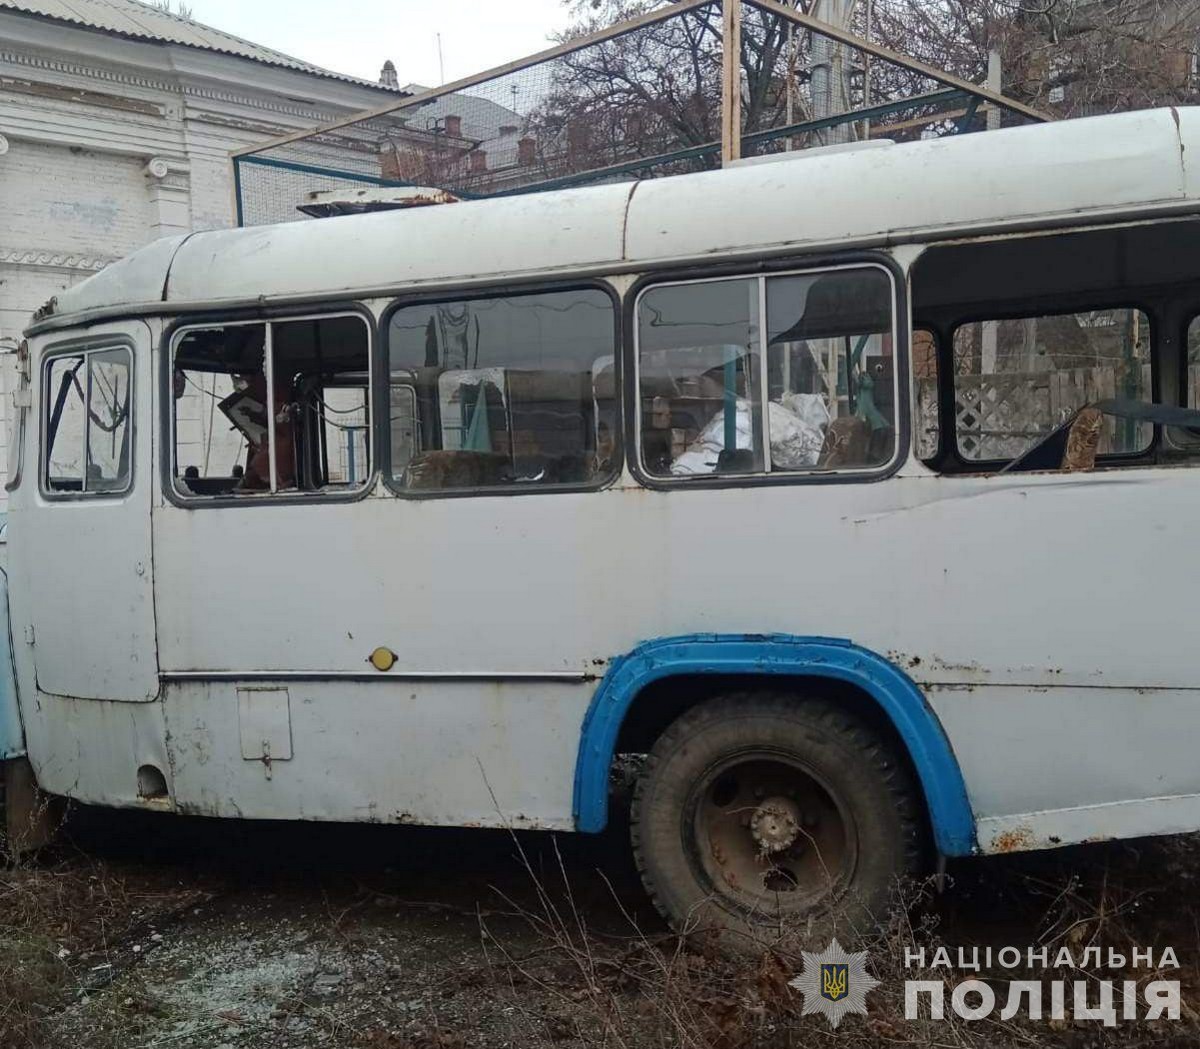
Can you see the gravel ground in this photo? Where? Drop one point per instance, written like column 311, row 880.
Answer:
column 306, row 935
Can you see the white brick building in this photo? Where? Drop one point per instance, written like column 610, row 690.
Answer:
column 116, row 122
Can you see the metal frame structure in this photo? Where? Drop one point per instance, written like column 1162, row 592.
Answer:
column 732, row 142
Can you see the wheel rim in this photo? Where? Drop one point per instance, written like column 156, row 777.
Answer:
column 770, row 835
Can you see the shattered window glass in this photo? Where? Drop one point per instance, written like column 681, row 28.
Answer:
column 87, row 422
column 318, row 373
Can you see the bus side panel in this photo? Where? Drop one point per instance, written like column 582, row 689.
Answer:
column 1054, row 766
column 91, row 749
column 12, row 738
column 498, row 754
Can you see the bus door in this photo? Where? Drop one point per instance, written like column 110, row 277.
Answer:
column 87, row 535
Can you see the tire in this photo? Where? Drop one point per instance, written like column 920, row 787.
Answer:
column 763, row 817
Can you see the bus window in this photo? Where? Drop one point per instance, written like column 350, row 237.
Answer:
column 1017, row 379
column 699, row 378
column 1192, row 376
column 405, row 434
column 504, row 392
column 87, row 431
column 809, row 387
column 312, row 375
column 346, row 439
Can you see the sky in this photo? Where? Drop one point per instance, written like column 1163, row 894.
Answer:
column 356, row 36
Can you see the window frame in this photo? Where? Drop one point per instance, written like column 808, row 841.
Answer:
column 765, row 270
column 237, row 318
column 501, row 291
column 84, row 348
column 1189, row 316
column 945, row 356
column 936, row 337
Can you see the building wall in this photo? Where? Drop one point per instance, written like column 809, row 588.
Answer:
column 107, row 144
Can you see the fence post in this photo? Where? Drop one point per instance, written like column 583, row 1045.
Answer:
column 731, row 80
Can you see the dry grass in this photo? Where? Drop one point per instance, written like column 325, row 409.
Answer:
column 644, row 991
column 556, row 977
column 50, row 915
column 63, row 917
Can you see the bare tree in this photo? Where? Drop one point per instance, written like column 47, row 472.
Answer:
column 656, row 91
column 1071, row 57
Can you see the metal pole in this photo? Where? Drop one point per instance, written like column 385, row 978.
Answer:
column 995, row 83
column 269, row 375
column 867, row 71
column 239, row 213
column 790, row 111
column 730, row 400
column 829, row 70
column 87, row 422
column 764, row 377
column 829, row 94
column 820, row 75
column 731, row 80
column 989, row 331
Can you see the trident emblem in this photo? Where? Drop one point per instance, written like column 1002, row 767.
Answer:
column 834, row 980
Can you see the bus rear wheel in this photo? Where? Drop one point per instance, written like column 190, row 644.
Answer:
column 768, row 817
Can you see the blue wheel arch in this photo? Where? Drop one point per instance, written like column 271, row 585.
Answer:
column 901, row 701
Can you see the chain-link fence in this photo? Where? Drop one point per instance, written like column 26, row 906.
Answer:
column 639, row 99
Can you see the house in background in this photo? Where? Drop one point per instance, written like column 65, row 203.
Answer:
column 462, row 140
column 116, row 123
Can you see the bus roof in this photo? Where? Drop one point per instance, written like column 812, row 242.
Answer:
column 1075, row 171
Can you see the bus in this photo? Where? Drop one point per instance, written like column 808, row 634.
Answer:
column 845, row 495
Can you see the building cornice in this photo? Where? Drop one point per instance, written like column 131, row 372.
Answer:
column 54, row 260
column 96, row 72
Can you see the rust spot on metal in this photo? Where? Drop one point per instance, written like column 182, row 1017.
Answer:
column 938, row 663
column 1016, row 840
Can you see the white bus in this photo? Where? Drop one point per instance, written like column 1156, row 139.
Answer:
column 854, row 489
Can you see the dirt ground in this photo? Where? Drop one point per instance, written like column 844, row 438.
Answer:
column 141, row 931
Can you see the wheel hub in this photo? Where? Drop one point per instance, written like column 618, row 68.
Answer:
column 775, row 825
column 769, row 836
